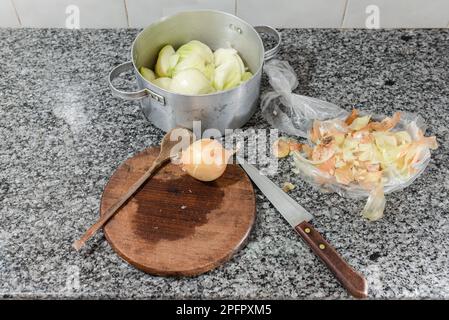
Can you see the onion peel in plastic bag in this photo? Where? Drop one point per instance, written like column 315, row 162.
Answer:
column 355, row 155
column 375, row 206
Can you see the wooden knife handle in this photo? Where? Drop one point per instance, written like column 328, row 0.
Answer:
column 354, row 282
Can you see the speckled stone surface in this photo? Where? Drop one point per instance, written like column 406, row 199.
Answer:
column 62, row 134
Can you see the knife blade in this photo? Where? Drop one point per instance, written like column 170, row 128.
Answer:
column 299, row 218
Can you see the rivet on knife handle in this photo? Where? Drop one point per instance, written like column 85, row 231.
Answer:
column 348, row 277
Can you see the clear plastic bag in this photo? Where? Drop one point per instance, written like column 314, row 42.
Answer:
column 294, row 114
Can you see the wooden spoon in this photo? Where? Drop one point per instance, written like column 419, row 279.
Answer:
column 178, row 137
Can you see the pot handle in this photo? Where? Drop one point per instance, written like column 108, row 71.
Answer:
column 134, row 95
column 272, row 31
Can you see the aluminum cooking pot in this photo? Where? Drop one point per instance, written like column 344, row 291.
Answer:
column 228, row 109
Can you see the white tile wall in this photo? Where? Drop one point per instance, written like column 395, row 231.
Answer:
column 399, row 13
column 8, row 17
column 293, row 13
column 141, row 13
column 52, row 13
column 279, row 13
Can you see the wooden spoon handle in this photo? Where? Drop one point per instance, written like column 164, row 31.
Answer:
column 112, row 210
column 354, row 282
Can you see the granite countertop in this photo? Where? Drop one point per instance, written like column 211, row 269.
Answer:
column 62, row 134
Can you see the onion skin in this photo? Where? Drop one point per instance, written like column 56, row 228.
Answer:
column 205, row 159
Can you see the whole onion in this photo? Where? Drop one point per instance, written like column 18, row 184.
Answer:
column 205, row 159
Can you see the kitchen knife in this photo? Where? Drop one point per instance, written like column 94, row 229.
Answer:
column 299, row 219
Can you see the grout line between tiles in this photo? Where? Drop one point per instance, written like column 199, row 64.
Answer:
column 126, row 13
column 235, row 6
column 344, row 14
column 15, row 11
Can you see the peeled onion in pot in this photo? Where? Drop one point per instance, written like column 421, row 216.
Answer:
column 164, row 61
column 163, row 82
column 205, row 159
column 190, row 81
column 148, row 74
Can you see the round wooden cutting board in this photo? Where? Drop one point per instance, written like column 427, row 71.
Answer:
column 176, row 225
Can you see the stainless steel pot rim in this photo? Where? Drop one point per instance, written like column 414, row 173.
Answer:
column 266, row 54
